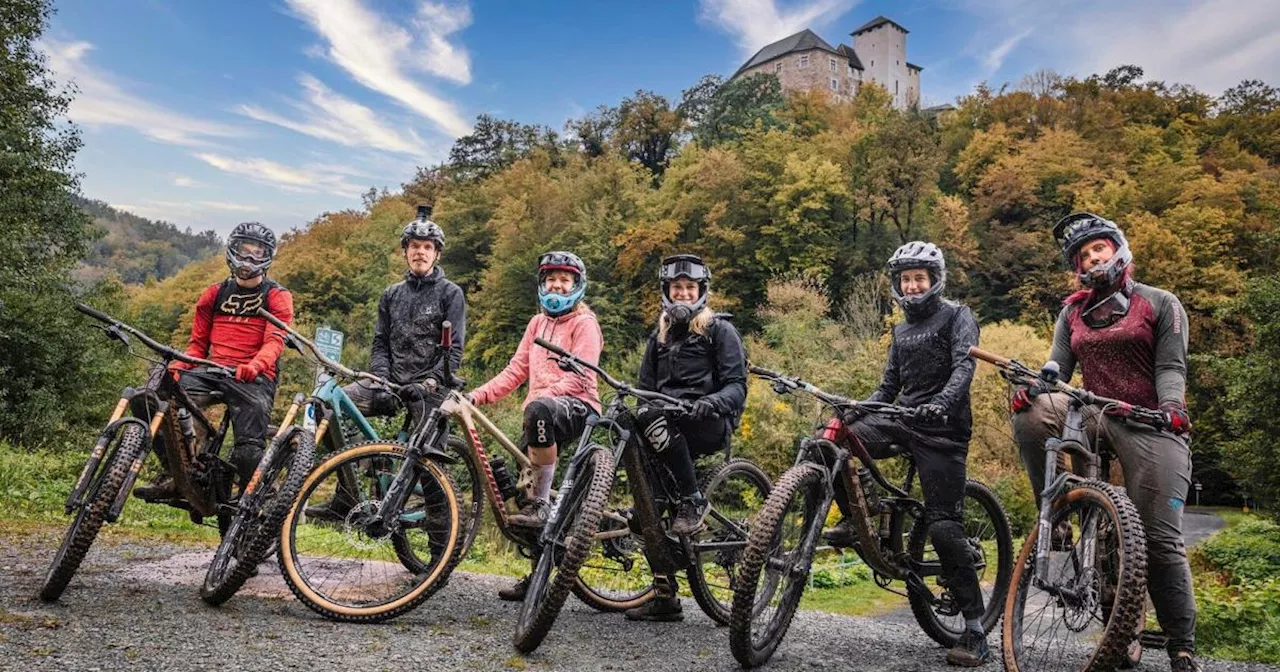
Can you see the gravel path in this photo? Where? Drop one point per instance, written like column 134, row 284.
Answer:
column 134, row 606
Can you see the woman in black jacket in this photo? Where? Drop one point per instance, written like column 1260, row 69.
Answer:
column 697, row 355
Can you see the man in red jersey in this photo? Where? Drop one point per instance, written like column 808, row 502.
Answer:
column 228, row 330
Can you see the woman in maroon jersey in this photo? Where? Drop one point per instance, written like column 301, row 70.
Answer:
column 1130, row 342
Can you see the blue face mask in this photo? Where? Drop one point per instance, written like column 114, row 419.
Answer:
column 556, row 304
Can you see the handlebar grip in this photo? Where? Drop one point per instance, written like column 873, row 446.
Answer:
column 989, row 357
column 95, row 314
column 763, row 372
column 446, row 334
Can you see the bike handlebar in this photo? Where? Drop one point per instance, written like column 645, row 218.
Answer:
column 332, row 366
column 624, row 388
column 163, row 350
column 1021, row 373
column 835, row 400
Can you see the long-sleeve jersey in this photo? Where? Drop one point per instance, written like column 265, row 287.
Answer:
column 577, row 332
column 1140, row 359
column 228, row 330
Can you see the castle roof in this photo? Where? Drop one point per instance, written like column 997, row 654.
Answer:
column 805, row 40
column 877, row 22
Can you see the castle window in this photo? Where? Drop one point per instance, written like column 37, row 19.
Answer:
column 804, row 60
column 831, row 65
column 835, row 84
column 777, row 68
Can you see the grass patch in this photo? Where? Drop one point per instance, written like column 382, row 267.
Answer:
column 1237, row 582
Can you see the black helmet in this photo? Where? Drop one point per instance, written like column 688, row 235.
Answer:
column 251, row 248
column 1073, row 231
column 684, row 266
column 423, row 228
column 918, row 254
column 554, row 304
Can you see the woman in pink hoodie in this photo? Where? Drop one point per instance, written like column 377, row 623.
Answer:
column 559, row 403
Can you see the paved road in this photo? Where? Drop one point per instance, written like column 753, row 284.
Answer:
column 134, row 607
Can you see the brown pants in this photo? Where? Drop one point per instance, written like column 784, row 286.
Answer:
column 1157, row 475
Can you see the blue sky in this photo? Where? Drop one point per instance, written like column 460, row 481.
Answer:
column 210, row 113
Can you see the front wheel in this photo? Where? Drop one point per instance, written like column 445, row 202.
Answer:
column 774, row 566
column 986, row 528
column 1084, row 612
column 349, row 565
column 735, row 493
column 254, row 529
column 98, row 498
column 570, row 538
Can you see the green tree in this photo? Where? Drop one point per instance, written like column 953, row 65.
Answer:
column 47, row 368
column 495, row 144
column 740, row 104
column 1253, row 397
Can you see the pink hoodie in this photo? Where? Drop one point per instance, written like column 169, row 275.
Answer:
column 578, row 332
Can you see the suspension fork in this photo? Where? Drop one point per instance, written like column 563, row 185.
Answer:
column 132, row 476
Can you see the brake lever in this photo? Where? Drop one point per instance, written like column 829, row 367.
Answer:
column 780, row 387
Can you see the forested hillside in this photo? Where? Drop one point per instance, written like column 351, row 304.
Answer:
column 137, row 248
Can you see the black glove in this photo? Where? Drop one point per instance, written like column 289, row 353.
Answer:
column 701, row 410
column 930, row 412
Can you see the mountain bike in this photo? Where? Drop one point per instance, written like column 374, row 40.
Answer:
column 1077, row 608
column 892, row 538
column 395, row 542
column 636, row 542
column 167, row 420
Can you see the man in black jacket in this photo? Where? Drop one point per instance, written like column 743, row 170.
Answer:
column 406, row 338
column 929, row 368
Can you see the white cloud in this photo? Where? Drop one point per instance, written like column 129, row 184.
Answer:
column 101, row 101
column 995, row 58
column 379, row 53
column 184, row 181
column 755, row 23
column 330, row 116
column 1211, row 44
column 307, row 179
column 438, row 21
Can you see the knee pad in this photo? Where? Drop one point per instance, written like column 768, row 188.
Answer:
column 539, row 424
column 657, row 433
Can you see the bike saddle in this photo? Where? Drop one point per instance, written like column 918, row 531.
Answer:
column 900, row 450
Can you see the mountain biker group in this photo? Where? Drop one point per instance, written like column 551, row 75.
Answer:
column 1128, row 339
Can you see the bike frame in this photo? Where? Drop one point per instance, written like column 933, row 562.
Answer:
column 1074, row 441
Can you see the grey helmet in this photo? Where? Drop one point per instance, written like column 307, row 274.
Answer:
column 918, row 254
column 1073, row 231
column 251, row 248
column 423, row 228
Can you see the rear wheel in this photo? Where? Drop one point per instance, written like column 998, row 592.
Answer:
column 254, row 529
column 774, row 569
column 735, row 492
column 354, row 569
column 98, row 498
column 1074, row 617
column 987, row 530
column 573, row 533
